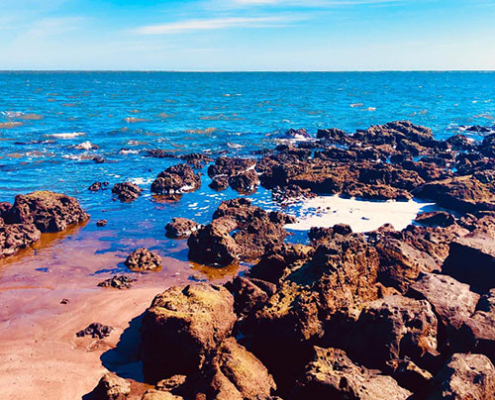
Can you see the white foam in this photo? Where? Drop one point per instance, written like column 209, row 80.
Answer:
column 68, row 135
column 85, row 146
column 362, row 216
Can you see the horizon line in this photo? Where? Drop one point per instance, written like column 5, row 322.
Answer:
column 245, row 71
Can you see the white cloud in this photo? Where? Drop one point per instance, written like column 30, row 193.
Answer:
column 215, row 23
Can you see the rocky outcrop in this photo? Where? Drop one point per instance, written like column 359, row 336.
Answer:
column 111, row 387
column 127, row 191
column 176, row 179
column 238, row 231
column 245, row 182
column 464, row 377
column 143, row 260
column 332, row 375
column 184, row 327
column 15, row 237
column 118, row 282
column 181, row 228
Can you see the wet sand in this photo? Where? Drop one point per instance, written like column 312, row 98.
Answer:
column 40, row 356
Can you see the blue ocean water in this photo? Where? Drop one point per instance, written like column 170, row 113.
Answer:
column 45, row 115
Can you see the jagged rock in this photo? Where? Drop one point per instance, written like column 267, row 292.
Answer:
column 48, row 211
column 464, row 377
column 98, row 186
column 332, row 375
column 230, row 166
column 220, row 182
column 435, row 218
column 178, row 178
column 127, row 191
column 16, row 237
column 118, row 282
column 395, row 132
column 472, row 260
column 143, row 260
column 183, row 327
column 111, row 387
column 452, row 301
column 96, row 331
column 181, row 228
column 245, row 182
column 333, row 134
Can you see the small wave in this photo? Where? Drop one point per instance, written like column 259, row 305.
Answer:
column 235, row 145
column 141, row 181
column 357, row 105
column 66, row 135
column 132, row 120
column 128, row 151
column 201, row 131
column 10, row 125
column 86, row 146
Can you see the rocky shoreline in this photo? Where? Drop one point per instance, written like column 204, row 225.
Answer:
column 384, row 314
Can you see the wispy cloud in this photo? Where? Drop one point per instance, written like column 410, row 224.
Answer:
column 299, row 3
column 216, row 23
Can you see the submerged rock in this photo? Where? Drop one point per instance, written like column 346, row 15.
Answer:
column 143, row 260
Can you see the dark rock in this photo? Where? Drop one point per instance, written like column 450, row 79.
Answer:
column 435, row 218
column 245, row 182
column 181, row 228
column 412, row 377
column 464, row 377
column 101, row 223
column 96, row 331
column 220, row 182
column 158, row 153
column 143, row 260
column 184, row 327
column 297, row 134
column 196, row 160
column 178, row 178
column 111, row 387
column 16, row 237
column 95, row 187
column 394, row 132
column 230, row 166
column 333, row 134
column 291, row 194
column 332, row 375
column 461, row 142
column 472, row 260
column 118, row 282
column 48, row 211
column 127, row 191
column 99, row 160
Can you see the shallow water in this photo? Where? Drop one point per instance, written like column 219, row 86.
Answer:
column 44, row 116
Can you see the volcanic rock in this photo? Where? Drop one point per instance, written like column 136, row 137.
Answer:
column 126, row 191
column 178, row 178
column 181, row 228
column 111, row 387
column 143, row 260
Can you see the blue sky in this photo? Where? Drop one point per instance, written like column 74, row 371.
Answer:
column 229, row 35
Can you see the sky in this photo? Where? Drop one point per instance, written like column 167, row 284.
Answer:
column 247, row 35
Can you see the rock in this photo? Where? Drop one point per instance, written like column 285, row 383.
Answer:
column 452, row 301
column 118, row 282
column 387, row 330
column 291, row 194
column 172, row 383
column 298, row 134
column 99, row 160
column 96, row 331
column 16, row 237
column 461, row 142
column 464, row 377
column 183, row 327
column 126, row 191
column 239, row 230
column 178, row 178
column 220, row 182
column 230, row 166
column 472, row 260
column 333, row 134
column 332, row 375
column 463, row 193
column 143, row 260
column 159, row 395
column 196, row 160
column 411, row 377
column 111, row 387
column 249, row 297
column 159, row 153
column 101, row 223
column 48, row 211
column 245, row 182
column 395, row 132
column 488, row 146
column 181, row 228
column 435, row 218
column 95, row 187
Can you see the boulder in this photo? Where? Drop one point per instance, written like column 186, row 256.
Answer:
column 230, row 166
column 95, row 187
column 464, row 377
column 16, row 237
column 332, row 375
column 332, row 134
column 435, row 218
column 184, row 327
column 472, row 260
column 220, row 182
column 176, row 179
column 181, row 228
column 48, row 211
column 297, row 134
column 111, row 387
column 127, row 191
column 143, row 260
column 245, row 182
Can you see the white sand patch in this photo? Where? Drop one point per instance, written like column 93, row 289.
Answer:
column 362, row 216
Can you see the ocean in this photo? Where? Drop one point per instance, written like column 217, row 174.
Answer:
column 48, row 121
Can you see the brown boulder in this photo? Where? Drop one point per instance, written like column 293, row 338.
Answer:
column 230, row 166
column 143, row 260
column 332, row 375
column 181, row 228
column 245, row 182
column 127, row 191
column 176, row 179
column 111, row 387
column 184, row 327
column 15, row 237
